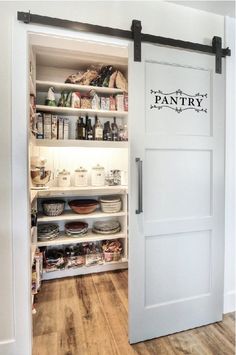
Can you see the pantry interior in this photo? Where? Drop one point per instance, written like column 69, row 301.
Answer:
column 89, row 235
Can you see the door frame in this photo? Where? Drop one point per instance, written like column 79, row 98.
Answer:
column 22, row 303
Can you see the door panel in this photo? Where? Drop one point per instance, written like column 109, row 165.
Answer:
column 176, row 111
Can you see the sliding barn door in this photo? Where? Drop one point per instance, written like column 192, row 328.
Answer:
column 176, row 112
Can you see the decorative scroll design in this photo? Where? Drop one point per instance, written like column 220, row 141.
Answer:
column 178, row 101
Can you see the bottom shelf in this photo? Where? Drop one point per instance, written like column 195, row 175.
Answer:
column 84, row 270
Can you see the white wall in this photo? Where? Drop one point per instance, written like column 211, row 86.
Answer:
column 158, row 18
column 230, row 155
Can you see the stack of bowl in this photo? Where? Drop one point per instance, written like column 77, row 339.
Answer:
column 106, row 227
column 110, row 204
column 76, row 229
column 47, row 232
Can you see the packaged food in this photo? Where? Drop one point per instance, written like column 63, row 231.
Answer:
column 107, row 103
column 121, row 82
column 112, row 103
column 50, row 100
column 75, row 100
column 126, row 102
column 65, row 99
column 66, row 128
column 39, row 125
column 120, row 102
column 85, row 102
column 47, row 125
column 95, row 102
column 74, row 78
column 112, row 80
column 103, row 103
column 60, row 128
column 90, row 75
column 54, row 127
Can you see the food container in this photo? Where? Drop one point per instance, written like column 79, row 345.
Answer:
column 83, row 206
column 64, row 178
column 53, row 207
column 110, row 204
column 113, row 178
column 81, row 177
column 112, row 256
column 98, row 176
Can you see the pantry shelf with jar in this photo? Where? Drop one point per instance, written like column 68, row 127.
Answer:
column 79, row 161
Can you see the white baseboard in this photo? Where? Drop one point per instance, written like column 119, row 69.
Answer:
column 230, row 302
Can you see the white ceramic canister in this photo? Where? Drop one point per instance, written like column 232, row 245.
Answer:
column 81, row 177
column 64, row 178
column 98, row 176
column 124, row 177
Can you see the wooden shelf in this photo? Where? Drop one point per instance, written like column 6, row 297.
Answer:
column 45, row 85
column 63, row 239
column 69, row 111
column 31, row 86
column 72, row 216
column 78, row 143
column 114, row 265
column 82, row 191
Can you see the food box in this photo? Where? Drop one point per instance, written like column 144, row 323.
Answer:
column 47, row 125
column 54, row 127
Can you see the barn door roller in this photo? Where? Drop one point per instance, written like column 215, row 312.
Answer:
column 135, row 34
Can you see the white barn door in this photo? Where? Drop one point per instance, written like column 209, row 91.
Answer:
column 176, row 263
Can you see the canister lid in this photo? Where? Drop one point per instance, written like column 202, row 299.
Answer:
column 81, row 170
column 98, row 167
column 64, row 172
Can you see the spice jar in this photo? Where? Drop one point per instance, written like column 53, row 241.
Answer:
column 64, row 178
column 81, row 177
column 98, row 176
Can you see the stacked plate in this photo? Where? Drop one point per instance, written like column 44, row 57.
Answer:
column 110, row 204
column 76, row 229
column 107, row 227
column 47, row 231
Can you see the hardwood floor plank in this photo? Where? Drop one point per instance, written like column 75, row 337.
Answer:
column 88, row 315
column 97, row 336
column 45, row 344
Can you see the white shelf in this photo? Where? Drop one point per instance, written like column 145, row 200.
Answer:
column 82, row 191
column 78, row 111
column 123, row 264
column 78, row 143
column 33, row 195
column 32, row 112
column 63, row 239
column 72, row 216
column 31, row 86
column 45, row 85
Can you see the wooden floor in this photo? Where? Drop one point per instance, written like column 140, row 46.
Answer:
column 87, row 315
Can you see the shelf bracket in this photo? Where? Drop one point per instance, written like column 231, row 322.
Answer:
column 136, row 34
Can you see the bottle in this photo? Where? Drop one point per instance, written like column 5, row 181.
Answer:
column 81, row 128
column 98, row 130
column 107, row 133
column 89, row 131
column 121, row 133
column 125, row 133
column 114, row 129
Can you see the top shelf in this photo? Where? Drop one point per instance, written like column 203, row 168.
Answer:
column 45, row 85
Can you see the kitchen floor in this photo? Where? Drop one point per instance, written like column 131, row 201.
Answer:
column 88, row 315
